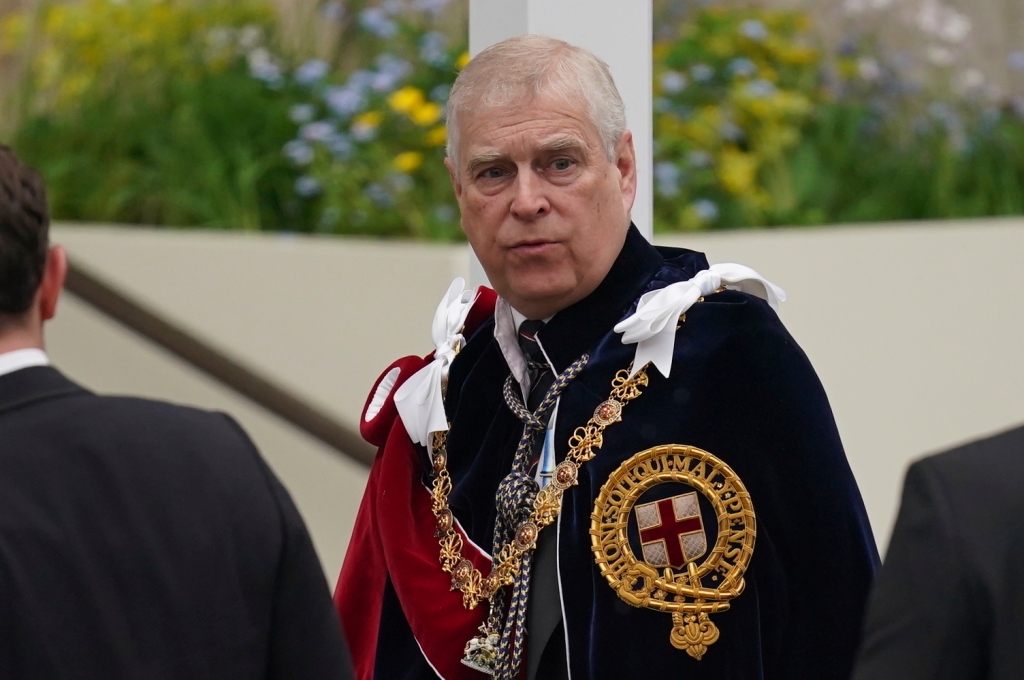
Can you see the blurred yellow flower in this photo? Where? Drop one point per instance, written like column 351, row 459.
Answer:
column 426, row 114
column 461, row 62
column 408, row 161
column 437, row 136
column 797, row 55
column 737, row 171
column 13, row 31
column 406, row 100
column 369, row 120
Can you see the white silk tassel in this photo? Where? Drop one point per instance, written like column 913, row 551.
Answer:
column 420, row 399
column 653, row 326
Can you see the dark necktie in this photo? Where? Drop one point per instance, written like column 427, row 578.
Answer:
column 541, row 376
column 544, row 613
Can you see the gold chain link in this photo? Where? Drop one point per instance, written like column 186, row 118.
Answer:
column 466, row 578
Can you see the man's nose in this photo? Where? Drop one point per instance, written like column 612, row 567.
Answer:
column 530, row 199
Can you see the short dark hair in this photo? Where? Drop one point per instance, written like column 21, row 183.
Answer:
column 24, row 233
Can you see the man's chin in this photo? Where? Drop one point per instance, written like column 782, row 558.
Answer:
column 538, row 302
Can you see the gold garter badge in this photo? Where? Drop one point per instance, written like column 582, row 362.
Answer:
column 671, row 535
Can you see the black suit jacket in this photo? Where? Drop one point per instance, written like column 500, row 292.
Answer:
column 148, row 541
column 949, row 602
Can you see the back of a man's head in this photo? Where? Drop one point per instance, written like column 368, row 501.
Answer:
column 24, row 235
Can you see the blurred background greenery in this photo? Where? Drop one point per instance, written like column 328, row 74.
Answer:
column 327, row 116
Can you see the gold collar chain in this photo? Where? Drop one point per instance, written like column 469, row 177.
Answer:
column 506, row 563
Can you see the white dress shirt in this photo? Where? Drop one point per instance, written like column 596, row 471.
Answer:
column 506, row 332
column 22, row 358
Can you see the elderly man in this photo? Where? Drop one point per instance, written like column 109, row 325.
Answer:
column 622, row 466
column 137, row 539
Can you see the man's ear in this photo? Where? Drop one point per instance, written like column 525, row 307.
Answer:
column 625, row 162
column 453, row 175
column 54, row 273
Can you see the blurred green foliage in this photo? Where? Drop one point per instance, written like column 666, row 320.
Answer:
column 756, row 126
column 146, row 112
column 191, row 113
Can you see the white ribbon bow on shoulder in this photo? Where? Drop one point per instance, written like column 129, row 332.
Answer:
column 420, row 399
column 653, row 326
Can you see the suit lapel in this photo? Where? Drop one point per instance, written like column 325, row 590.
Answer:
column 32, row 385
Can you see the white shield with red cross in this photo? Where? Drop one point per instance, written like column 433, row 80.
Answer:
column 671, row 531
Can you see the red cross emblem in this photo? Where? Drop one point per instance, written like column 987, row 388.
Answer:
column 671, row 531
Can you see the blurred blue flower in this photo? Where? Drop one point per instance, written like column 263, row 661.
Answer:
column 445, row 213
column 432, row 6
column 263, row 67
column 662, row 105
column 360, row 79
column 705, row 209
column 340, row 145
column 990, row 117
column 754, row 29
column 702, row 73
column 311, row 72
column 384, row 82
column 941, row 111
column 757, row 89
column 343, row 101
column 432, row 48
column 393, row 7
column 440, row 93
column 389, row 63
column 742, row 67
column 400, row 182
column 1016, row 60
column 731, row 131
column 363, row 133
column 673, row 82
column 667, row 177
column 699, row 158
column 250, row 37
column 302, row 113
column 379, row 194
column 333, row 11
column 307, row 186
column 848, row 46
column 375, row 20
column 318, row 131
column 391, row 71
column 299, row 152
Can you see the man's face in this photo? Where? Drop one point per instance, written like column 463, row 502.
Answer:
column 544, row 209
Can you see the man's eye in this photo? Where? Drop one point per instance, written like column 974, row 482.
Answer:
column 562, row 164
column 492, row 173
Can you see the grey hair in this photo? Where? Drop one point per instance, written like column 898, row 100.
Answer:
column 526, row 66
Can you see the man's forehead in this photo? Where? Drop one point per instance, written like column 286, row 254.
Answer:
column 513, row 143
column 535, row 127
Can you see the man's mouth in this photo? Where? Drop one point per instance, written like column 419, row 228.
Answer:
column 533, row 247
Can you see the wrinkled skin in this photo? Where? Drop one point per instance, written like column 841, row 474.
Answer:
column 544, row 208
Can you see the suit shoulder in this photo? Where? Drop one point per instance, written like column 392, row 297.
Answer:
column 134, row 418
column 741, row 309
column 982, row 467
column 165, row 411
column 737, row 325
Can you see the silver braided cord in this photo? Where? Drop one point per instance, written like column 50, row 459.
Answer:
column 515, row 497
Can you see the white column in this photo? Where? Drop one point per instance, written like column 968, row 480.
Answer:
column 618, row 31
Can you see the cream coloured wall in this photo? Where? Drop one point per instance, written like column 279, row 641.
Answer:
column 915, row 332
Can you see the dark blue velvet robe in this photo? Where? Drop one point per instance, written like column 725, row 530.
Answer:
column 740, row 388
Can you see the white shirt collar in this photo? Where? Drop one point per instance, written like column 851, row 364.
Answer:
column 22, row 358
column 506, row 332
